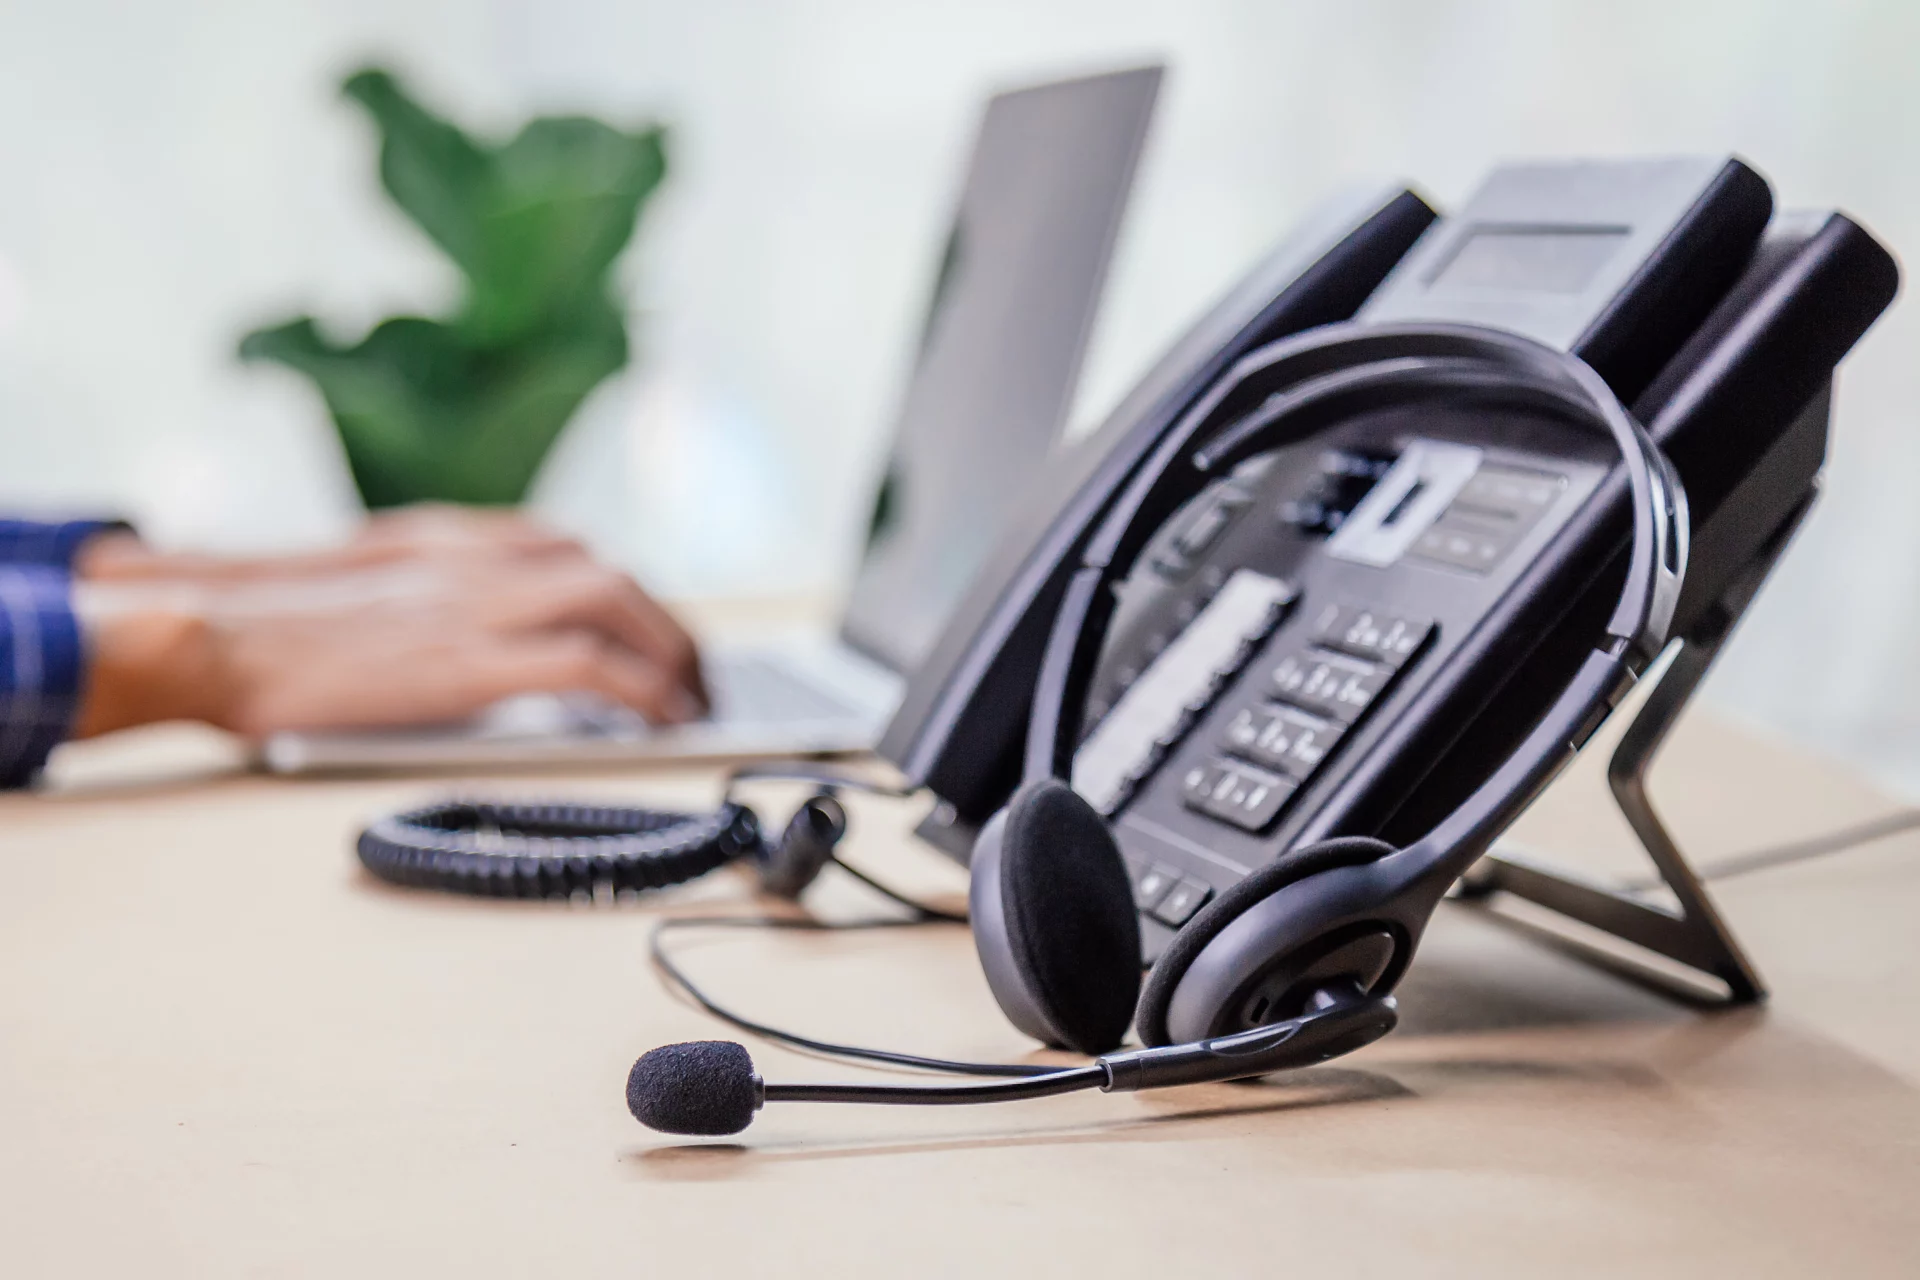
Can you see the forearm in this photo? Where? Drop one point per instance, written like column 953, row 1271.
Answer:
column 454, row 612
column 150, row 657
column 120, row 556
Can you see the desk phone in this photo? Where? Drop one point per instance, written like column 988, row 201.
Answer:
column 1293, row 639
column 1343, row 635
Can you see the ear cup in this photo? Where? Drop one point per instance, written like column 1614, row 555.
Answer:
column 1288, row 869
column 1054, row 921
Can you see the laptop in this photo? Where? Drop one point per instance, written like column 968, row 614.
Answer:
column 1012, row 306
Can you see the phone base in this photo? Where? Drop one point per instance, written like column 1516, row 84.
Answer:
column 1691, row 933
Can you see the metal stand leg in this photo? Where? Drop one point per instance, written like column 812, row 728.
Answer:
column 1694, row 935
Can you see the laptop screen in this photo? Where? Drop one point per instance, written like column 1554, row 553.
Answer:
column 1012, row 307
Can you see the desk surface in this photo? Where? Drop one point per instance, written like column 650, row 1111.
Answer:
column 228, row 1051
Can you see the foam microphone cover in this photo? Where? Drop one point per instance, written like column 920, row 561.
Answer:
column 703, row 1087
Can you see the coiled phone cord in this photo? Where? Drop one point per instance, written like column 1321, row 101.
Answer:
column 507, row 850
column 556, row 850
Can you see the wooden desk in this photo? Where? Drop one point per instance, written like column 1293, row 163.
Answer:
column 227, row 1051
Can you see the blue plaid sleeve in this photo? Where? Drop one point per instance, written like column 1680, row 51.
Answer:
column 50, row 543
column 40, row 667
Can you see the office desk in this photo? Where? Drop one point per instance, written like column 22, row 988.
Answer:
column 227, row 1051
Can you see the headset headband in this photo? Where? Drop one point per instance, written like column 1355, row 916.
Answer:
column 1291, row 389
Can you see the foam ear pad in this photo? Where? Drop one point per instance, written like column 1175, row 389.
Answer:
column 1288, row 869
column 1071, row 932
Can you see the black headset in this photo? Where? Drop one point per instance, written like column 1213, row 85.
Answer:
column 1336, row 921
column 1293, row 965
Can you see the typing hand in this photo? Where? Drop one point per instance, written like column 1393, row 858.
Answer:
column 429, row 616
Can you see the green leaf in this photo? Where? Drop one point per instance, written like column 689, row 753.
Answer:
column 434, row 172
column 425, row 413
column 464, row 408
column 561, row 206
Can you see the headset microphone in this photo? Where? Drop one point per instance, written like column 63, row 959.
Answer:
column 709, row 1087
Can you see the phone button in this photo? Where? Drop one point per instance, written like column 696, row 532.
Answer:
column 1469, row 544
column 1282, row 738
column 1372, row 633
column 1181, row 902
column 1206, row 526
column 1330, row 683
column 1197, row 787
column 1152, row 885
column 1241, row 794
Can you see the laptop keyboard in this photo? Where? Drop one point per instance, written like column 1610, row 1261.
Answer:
column 747, row 688
column 750, row 687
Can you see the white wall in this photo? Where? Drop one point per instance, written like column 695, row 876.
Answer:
column 171, row 174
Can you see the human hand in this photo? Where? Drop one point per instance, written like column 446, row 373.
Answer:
column 427, row 531
column 420, row 638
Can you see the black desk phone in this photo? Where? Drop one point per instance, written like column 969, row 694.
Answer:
column 1330, row 599
column 1342, row 636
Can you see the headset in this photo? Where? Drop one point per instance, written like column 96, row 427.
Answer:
column 1296, row 963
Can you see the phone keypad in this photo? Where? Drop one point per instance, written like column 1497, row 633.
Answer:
column 1307, row 702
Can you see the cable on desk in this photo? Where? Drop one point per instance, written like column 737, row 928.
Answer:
column 676, row 976
column 1781, row 855
column 1796, row 851
column 927, row 914
column 923, row 915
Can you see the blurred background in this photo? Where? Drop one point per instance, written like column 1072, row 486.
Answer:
column 175, row 175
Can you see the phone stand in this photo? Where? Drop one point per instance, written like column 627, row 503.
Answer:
column 1691, row 933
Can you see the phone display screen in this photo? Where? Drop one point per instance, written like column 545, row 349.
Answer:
column 1530, row 259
